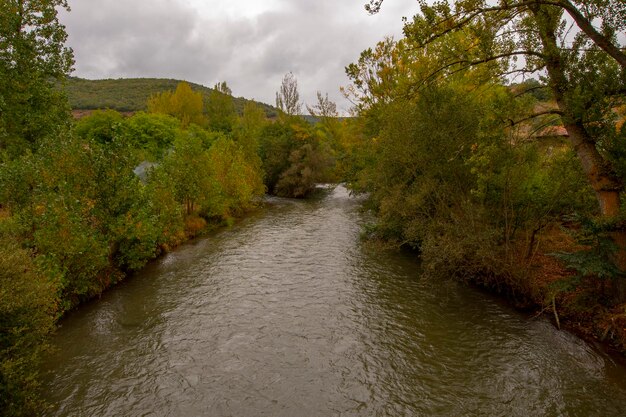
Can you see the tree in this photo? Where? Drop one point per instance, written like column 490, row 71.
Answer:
column 188, row 165
column 33, row 59
column 152, row 134
column 585, row 74
column 102, row 126
column 221, row 108
column 27, row 307
column 611, row 12
column 324, row 108
column 288, row 97
column 184, row 104
column 239, row 178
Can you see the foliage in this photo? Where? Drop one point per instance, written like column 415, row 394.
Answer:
column 188, row 166
column 153, row 134
column 102, row 126
column 294, row 157
column 131, row 94
column 239, row 178
column 183, row 104
column 32, row 58
column 248, row 130
column 27, row 312
column 220, row 108
column 307, row 163
column 509, row 189
column 449, row 172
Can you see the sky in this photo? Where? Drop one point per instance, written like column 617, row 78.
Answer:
column 250, row 44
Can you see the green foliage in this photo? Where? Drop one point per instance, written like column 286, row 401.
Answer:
column 294, row 157
column 239, row 178
column 452, row 169
column 166, row 212
column 27, row 312
column 131, row 94
column 101, row 126
column 183, row 104
column 249, row 128
column 32, row 58
column 220, row 109
column 447, row 177
column 308, row 164
column 188, row 166
column 594, row 260
column 153, row 134
column 277, row 140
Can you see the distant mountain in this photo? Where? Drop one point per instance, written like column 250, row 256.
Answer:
column 131, row 94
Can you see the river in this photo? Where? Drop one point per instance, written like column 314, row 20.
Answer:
column 287, row 314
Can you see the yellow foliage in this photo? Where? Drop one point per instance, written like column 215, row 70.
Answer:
column 184, row 104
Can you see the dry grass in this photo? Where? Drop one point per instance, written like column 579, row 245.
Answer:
column 194, row 224
column 581, row 309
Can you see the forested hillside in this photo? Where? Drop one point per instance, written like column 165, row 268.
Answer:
column 131, row 94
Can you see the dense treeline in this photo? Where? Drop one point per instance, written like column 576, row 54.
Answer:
column 85, row 202
column 512, row 185
column 131, row 94
column 100, row 198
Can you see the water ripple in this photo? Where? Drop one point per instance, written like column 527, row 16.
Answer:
column 286, row 314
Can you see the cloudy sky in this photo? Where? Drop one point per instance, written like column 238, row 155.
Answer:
column 250, row 44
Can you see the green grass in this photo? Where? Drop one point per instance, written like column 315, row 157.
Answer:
column 131, row 94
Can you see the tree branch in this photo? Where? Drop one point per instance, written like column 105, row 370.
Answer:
column 583, row 23
column 535, row 115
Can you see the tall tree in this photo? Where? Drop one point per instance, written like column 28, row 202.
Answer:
column 184, row 104
column 324, row 108
column 612, row 14
column 288, row 97
column 586, row 75
column 33, row 58
column 221, row 108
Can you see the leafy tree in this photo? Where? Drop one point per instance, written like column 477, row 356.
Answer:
column 188, row 165
column 288, row 97
column 101, row 126
column 249, row 128
column 586, row 72
column 152, row 132
column 167, row 212
column 294, row 158
column 308, row 163
column 184, row 104
column 221, row 108
column 32, row 59
column 239, row 178
column 27, row 313
column 611, row 12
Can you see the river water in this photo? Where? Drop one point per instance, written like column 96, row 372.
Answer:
column 287, row 314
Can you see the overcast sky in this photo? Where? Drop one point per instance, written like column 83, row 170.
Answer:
column 250, row 44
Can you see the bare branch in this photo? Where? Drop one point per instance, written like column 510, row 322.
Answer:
column 535, row 115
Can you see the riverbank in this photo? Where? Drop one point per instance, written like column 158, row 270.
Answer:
column 32, row 300
column 543, row 285
column 287, row 313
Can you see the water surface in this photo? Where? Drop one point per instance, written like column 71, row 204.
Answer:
column 287, row 314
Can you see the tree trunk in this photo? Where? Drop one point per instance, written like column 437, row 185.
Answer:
column 601, row 177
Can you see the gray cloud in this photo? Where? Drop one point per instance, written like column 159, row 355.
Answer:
column 251, row 51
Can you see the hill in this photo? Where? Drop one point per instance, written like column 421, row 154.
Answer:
column 131, row 94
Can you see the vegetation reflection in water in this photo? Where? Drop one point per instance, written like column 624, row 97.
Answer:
column 287, row 314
